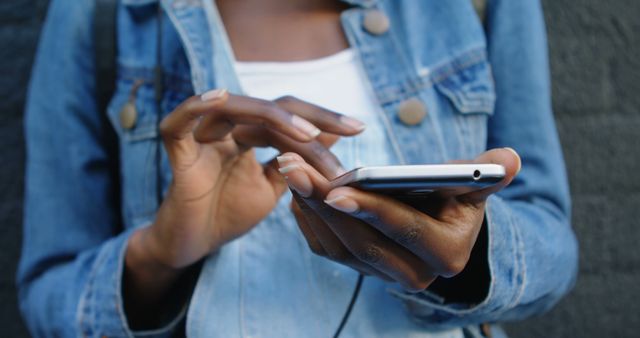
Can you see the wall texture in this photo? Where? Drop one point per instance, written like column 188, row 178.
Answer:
column 595, row 50
column 20, row 22
column 595, row 59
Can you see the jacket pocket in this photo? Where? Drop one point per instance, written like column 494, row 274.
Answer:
column 132, row 111
column 466, row 95
column 469, row 88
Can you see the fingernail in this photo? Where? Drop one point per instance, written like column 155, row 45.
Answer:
column 289, row 168
column 213, row 94
column 353, row 123
column 302, row 185
column 305, row 126
column 519, row 160
column 343, row 204
column 284, row 159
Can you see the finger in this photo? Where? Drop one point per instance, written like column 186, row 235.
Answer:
column 506, row 157
column 324, row 119
column 324, row 242
column 181, row 122
column 442, row 244
column 327, row 139
column 312, row 240
column 246, row 110
column 274, row 177
column 301, row 177
column 328, row 168
column 331, row 244
column 314, row 152
column 248, row 137
column 364, row 242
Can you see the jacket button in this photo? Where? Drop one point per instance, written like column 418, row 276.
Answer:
column 412, row 111
column 376, row 22
column 128, row 116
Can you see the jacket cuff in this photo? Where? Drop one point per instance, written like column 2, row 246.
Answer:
column 101, row 307
column 507, row 272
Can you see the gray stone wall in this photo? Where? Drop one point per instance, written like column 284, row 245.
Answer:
column 20, row 22
column 595, row 61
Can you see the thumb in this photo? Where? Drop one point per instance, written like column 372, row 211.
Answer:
column 506, row 157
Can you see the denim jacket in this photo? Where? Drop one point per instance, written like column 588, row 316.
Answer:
column 482, row 89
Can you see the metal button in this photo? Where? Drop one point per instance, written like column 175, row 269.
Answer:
column 376, row 22
column 412, row 111
column 128, row 115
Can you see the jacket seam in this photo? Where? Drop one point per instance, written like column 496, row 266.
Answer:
column 443, row 71
column 193, row 62
column 520, row 247
column 84, row 305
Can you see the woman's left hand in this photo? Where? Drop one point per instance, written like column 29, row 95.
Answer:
column 378, row 235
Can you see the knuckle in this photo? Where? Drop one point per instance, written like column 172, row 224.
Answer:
column 287, row 99
column 455, row 264
column 416, row 284
column 164, row 127
column 274, row 115
column 269, row 107
column 370, row 254
column 409, row 235
column 189, row 104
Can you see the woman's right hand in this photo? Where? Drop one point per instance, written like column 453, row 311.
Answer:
column 219, row 190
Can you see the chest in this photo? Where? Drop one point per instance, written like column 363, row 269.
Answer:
column 427, row 72
column 283, row 30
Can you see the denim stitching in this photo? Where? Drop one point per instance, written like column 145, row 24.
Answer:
column 191, row 54
column 118, row 301
column 521, row 261
column 89, row 292
column 441, row 72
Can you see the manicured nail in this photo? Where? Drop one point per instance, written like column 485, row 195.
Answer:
column 213, row 94
column 289, row 168
column 305, row 126
column 284, row 159
column 301, row 184
column 353, row 123
column 519, row 161
column 343, row 204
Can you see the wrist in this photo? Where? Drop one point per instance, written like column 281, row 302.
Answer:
column 144, row 256
column 149, row 286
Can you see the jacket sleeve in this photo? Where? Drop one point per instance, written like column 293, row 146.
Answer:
column 71, row 268
column 531, row 250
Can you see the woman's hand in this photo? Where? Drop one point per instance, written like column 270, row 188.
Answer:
column 381, row 236
column 219, row 190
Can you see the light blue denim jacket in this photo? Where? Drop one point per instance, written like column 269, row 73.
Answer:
column 481, row 91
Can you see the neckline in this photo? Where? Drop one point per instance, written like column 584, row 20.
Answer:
column 262, row 67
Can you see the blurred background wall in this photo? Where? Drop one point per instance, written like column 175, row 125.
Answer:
column 595, row 62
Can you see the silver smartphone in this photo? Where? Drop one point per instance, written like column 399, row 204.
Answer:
column 422, row 179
